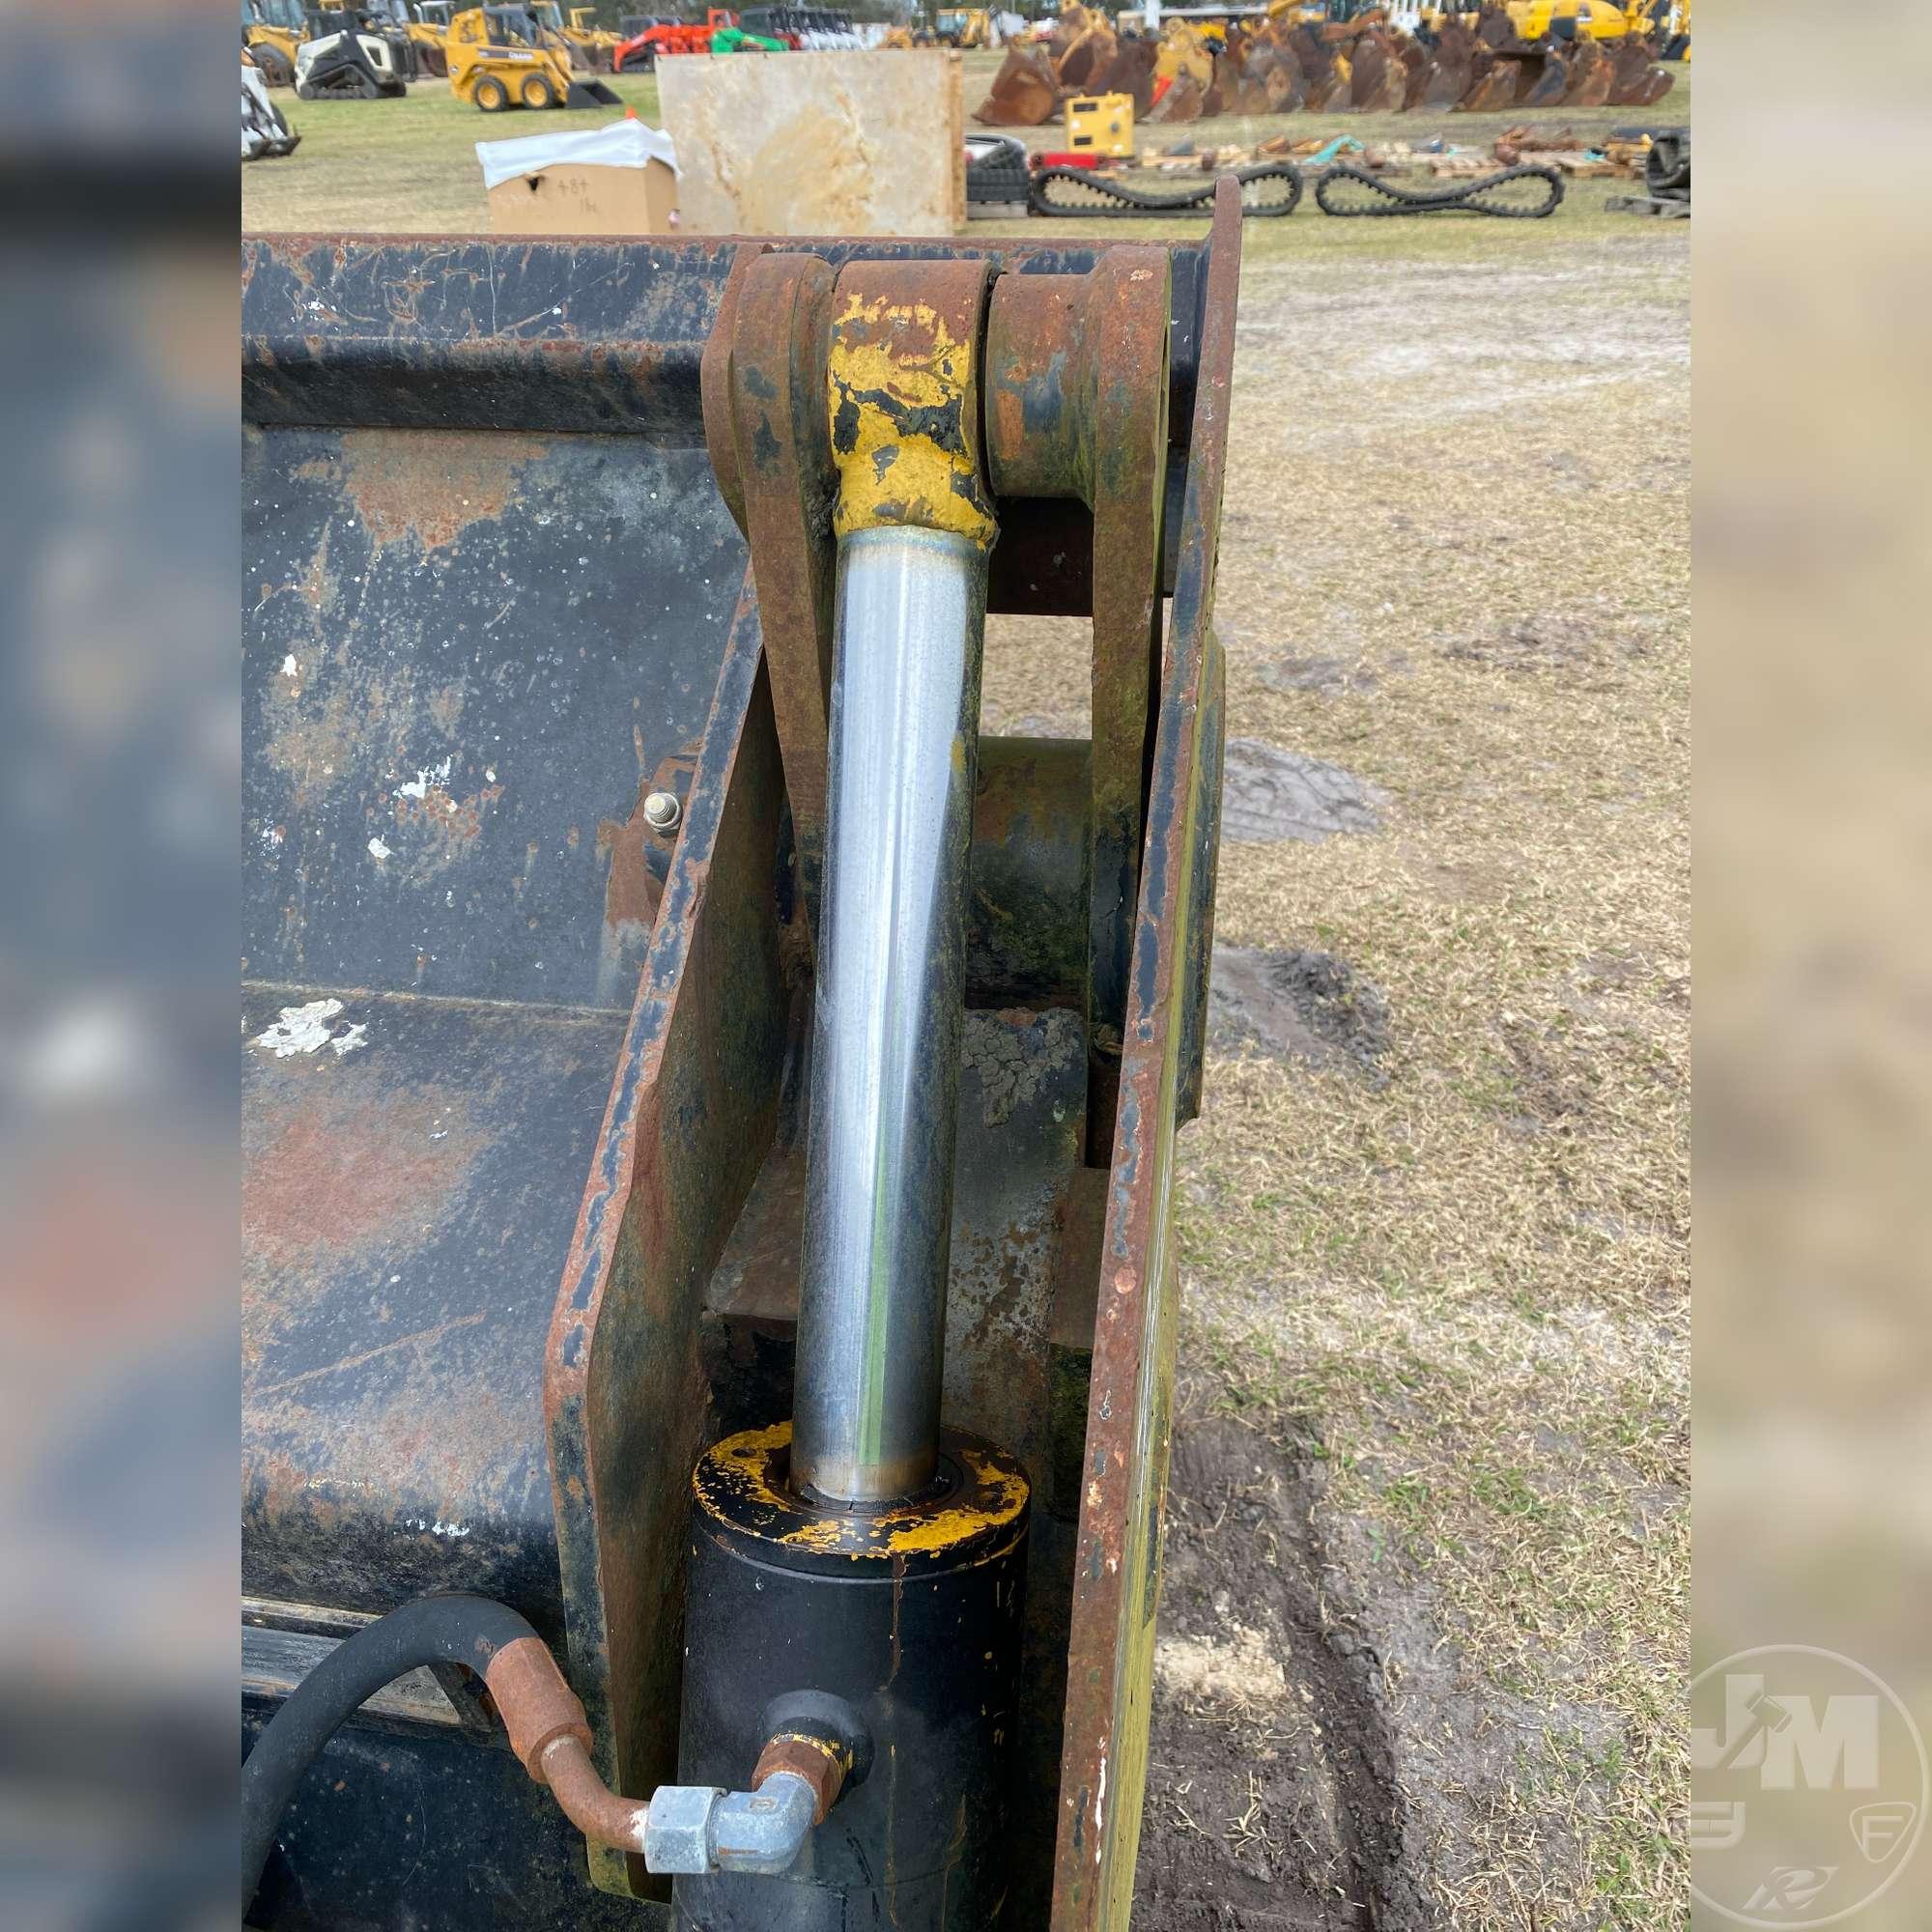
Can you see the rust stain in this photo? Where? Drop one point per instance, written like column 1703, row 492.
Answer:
column 353, row 1173
column 445, row 707
column 632, row 891
column 428, row 1462
column 432, row 484
column 440, row 827
column 334, row 1166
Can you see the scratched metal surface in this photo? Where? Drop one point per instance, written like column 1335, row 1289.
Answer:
column 1118, row 1557
column 579, row 336
column 464, row 654
column 405, row 1207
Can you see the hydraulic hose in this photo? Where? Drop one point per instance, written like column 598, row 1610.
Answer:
column 455, row 1629
column 683, row 1829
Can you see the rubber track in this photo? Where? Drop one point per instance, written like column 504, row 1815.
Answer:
column 1117, row 198
column 1439, row 201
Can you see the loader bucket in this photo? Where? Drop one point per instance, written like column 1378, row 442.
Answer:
column 1025, row 92
column 591, row 94
column 531, row 916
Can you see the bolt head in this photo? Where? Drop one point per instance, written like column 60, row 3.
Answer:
column 662, row 812
column 677, row 1828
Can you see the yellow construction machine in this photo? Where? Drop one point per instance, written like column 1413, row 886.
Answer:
column 580, row 45
column 428, row 19
column 964, row 27
column 1584, row 19
column 600, row 41
column 271, row 30
column 498, row 58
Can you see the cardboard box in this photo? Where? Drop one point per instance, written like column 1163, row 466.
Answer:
column 580, row 198
column 620, row 179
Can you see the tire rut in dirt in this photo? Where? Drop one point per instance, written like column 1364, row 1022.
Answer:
column 1271, row 1801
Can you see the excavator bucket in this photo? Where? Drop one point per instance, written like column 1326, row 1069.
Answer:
column 591, row 94
column 1183, row 99
column 1452, row 67
column 1549, row 86
column 1024, row 94
column 1131, row 72
column 1589, row 76
column 1089, row 54
column 1377, row 80
column 1325, row 78
column 1250, row 96
column 1493, row 87
column 1415, row 67
column 1496, row 31
column 1637, row 79
column 1281, row 83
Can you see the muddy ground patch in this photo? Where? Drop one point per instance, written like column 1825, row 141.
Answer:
column 1271, row 1783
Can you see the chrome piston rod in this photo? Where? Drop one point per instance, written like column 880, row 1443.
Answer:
column 901, row 756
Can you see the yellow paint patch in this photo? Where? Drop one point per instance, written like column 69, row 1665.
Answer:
column 992, row 1495
column 904, row 427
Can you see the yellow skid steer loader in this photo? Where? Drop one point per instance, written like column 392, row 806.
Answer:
column 498, row 59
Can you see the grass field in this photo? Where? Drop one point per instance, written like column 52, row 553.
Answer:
column 1423, row 1638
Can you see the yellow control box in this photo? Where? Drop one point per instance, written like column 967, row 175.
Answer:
column 1102, row 124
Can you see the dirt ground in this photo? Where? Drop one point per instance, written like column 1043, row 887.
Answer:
column 1422, row 1632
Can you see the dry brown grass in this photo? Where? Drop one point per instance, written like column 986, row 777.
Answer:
column 1470, row 1282
column 1464, row 478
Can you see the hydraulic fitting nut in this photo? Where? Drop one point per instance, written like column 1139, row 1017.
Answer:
column 821, row 1765
column 677, row 1829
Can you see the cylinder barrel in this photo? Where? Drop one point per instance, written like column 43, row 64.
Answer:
column 912, row 1617
column 902, row 753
